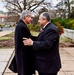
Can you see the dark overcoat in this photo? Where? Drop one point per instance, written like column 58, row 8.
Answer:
column 24, row 55
column 47, row 50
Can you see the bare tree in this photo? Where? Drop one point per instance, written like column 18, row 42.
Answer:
column 65, row 5
column 43, row 10
column 68, row 5
column 19, row 5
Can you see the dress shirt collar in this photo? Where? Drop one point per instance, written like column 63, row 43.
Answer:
column 46, row 24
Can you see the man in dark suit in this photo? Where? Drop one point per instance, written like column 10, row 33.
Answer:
column 23, row 54
column 46, row 47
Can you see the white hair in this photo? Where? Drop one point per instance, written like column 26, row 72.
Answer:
column 25, row 13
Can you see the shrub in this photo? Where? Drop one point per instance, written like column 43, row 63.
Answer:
column 60, row 28
column 66, row 23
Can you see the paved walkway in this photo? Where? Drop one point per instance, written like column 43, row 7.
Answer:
column 67, row 59
column 5, row 55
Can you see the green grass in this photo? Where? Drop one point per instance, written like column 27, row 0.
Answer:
column 5, row 38
column 10, row 35
column 65, row 39
column 34, row 33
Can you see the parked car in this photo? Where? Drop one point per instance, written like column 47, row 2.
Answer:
column 1, row 28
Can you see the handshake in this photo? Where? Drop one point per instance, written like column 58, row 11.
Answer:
column 27, row 41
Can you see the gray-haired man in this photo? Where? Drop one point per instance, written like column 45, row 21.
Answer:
column 23, row 54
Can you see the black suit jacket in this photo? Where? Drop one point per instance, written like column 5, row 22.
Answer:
column 23, row 54
column 47, row 50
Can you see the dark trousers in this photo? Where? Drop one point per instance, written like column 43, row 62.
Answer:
column 47, row 73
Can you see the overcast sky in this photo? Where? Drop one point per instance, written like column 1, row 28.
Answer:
column 53, row 1
column 2, row 7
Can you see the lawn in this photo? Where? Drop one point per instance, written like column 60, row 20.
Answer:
column 7, row 41
column 34, row 33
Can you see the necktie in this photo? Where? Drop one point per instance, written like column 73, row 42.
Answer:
column 42, row 30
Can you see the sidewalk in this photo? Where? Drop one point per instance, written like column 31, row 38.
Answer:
column 5, row 55
column 67, row 60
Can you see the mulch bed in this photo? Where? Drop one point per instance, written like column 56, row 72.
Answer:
column 10, row 44
column 7, row 44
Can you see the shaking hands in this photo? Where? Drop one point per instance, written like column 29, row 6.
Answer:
column 27, row 42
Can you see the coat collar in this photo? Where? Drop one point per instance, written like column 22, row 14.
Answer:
column 46, row 25
column 49, row 23
column 23, row 22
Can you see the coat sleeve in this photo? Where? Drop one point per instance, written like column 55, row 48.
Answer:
column 49, row 38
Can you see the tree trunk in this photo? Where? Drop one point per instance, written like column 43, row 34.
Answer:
column 24, row 4
column 68, row 9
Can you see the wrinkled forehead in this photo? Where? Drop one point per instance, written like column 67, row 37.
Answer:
column 30, row 16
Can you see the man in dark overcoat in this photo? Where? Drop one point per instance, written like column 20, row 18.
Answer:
column 24, row 55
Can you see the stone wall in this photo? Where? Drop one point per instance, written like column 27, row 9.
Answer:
column 68, row 33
